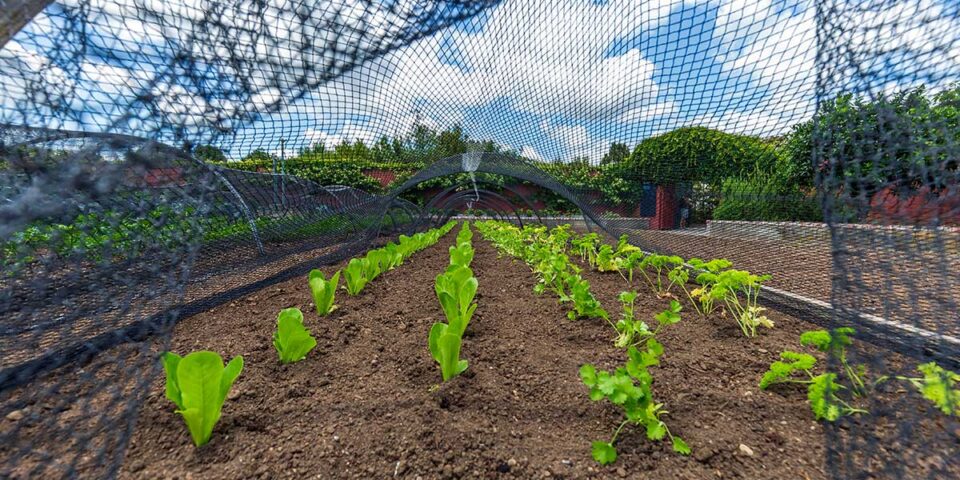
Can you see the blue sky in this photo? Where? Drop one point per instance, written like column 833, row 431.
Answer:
column 552, row 80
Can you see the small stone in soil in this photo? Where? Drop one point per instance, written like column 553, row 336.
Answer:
column 745, row 449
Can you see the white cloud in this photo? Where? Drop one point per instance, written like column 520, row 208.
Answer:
column 575, row 140
column 348, row 133
column 529, row 152
column 654, row 111
column 547, row 60
column 540, row 58
column 781, row 57
column 894, row 46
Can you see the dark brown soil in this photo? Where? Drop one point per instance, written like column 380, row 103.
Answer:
column 364, row 404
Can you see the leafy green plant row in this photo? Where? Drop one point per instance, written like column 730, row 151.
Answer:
column 628, row 387
column 543, row 251
column 361, row 271
column 719, row 285
column 833, row 395
column 456, row 288
column 198, row 383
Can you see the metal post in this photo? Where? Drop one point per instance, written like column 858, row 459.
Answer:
column 283, row 173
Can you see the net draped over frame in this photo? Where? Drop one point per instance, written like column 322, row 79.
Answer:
column 159, row 158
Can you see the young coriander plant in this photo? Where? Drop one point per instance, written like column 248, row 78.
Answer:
column 660, row 264
column 938, row 385
column 729, row 285
column 606, row 259
column 634, row 332
column 706, row 279
column 835, row 343
column 198, row 385
column 795, row 367
column 629, row 262
column 630, row 388
column 585, row 305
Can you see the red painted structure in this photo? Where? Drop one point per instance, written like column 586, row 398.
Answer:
column 923, row 207
column 665, row 217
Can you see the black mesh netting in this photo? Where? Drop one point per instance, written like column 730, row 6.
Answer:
column 159, row 158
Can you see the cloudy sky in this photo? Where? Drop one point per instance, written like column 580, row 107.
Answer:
column 550, row 79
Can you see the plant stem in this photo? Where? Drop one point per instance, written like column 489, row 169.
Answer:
column 617, row 432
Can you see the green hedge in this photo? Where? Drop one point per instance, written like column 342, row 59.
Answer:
column 698, row 154
column 757, row 199
column 322, row 172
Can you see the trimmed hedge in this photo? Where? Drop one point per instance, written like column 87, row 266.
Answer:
column 758, row 200
column 322, row 172
column 699, row 154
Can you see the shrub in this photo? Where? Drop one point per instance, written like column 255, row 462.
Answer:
column 698, row 154
column 756, row 199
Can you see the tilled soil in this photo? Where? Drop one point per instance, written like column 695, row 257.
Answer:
column 365, row 403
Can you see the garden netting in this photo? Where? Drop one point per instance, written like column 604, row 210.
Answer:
column 159, row 158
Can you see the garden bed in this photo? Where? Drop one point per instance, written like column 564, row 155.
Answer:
column 363, row 405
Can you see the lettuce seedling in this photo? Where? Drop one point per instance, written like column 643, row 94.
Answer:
column 292, row 340
column 377, row 262
column 462, row 254
column 394, row 255
column 445, row 348
column 465, row 234
column 355, row 275
column 630, row 388
column 455, row 289
column 198, row 385
column 323, row 291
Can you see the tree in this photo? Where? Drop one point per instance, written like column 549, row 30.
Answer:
column 795, row 162
column 451, row 141
column 258, row 155
column 209, row 153
column 618, row 152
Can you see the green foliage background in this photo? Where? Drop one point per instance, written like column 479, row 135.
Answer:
column 859, row 146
